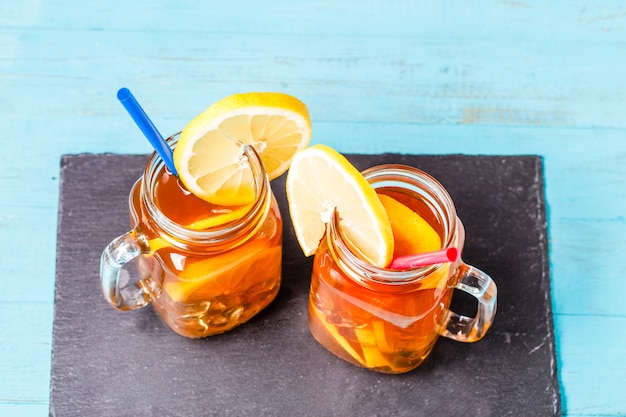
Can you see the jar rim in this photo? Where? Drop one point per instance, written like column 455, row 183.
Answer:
column 214, row 234
column 414, row 179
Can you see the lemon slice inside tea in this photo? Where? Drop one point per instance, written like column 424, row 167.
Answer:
column 412, row 234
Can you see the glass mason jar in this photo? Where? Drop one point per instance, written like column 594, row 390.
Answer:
column 389, row 320
column 201, row 282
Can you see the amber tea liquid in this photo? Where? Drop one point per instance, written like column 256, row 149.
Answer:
column 387, row 328
column 205, row 289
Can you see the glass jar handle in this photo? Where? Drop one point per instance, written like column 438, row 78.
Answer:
column 122, row 295
column 479, row 285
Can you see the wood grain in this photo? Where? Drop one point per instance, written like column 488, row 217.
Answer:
column 483, row 77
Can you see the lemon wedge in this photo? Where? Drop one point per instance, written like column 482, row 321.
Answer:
column 209, row 155
column 320, row 181
column 219, row 219
column 412, row 234
column 226, row 273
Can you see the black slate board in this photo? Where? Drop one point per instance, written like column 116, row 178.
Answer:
column 107, row 363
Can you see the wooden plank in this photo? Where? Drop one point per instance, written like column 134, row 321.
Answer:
column 25, row 345
column 501, row 20
column 406, row 81
column 23, row 409
column 592, row 368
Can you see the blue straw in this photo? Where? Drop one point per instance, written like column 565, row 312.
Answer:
column 147, row 127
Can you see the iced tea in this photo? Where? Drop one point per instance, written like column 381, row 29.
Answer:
column 204, row 268
column 381, row 326
column 387, row 320
column 207, row 291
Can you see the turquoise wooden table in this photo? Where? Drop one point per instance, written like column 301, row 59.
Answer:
column 482, row 77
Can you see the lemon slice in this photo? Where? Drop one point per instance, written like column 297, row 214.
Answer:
column 213, row 167
column 321, row 180
column 208, row 156
column 219, row 219
column 227, row 273
column 412, row 234
column 334, row 334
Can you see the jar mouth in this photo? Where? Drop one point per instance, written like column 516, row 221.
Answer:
column 411, row 181
column 155, row 167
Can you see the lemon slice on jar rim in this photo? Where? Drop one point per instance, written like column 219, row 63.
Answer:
column 320, row 181
column 209, row 152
